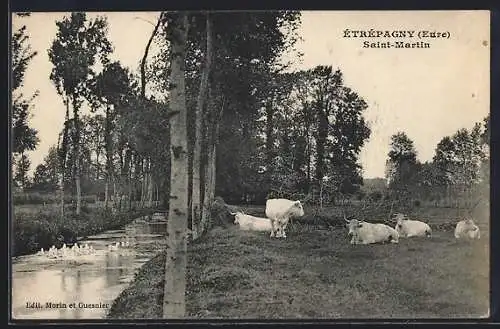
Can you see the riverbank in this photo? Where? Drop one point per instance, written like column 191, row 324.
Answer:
column 316, row 273
column 32, row 231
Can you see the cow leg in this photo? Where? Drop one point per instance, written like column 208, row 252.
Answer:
column 283, row 227
column 273, row 227
column 279, row 230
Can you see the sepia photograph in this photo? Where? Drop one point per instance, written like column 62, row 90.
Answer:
column 255, row 165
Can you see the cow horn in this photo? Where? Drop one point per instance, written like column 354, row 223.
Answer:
column 343, row 214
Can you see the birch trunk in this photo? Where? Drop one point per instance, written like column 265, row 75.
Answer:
column 174, row 305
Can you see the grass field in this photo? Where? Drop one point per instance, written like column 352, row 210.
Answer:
column 316, row 273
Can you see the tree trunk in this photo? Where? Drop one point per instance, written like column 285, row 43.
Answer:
column 214, row 156
column 175, row 269
column 61, row 186
column 197, row 210
column 115, row 195
column 269, row 141
column 320, row 144
column 97, row 154
column 150, row 184
column 76, row 148
column 109, row 159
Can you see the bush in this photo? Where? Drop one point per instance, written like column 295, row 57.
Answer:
column 42, row 230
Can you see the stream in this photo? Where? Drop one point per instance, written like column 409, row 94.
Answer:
column 83, row 287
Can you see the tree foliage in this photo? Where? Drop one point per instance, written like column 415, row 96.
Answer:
column 25, row 138
column 402, row 163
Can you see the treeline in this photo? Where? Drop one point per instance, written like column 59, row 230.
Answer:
column 458, row 175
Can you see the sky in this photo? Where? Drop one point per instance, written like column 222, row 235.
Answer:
column 428, row 93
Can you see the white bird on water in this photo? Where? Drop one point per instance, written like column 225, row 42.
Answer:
column 114, row 247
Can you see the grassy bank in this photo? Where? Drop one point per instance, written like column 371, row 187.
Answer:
column 315, row 273
column 32, row 231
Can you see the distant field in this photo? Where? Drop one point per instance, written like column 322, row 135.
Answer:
column 316, row 273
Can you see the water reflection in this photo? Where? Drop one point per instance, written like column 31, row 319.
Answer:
column 97, row 280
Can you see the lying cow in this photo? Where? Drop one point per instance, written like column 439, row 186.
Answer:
column 467, row 229
column 366, row 233
column 251, row 223
column 409, row 228
column 279, row 211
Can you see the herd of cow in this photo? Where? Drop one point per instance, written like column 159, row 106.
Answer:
column 279, row 212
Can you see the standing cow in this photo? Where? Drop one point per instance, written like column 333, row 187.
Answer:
column 409, row 228
column 279, row 211
column 467, row 229
column 366, row 233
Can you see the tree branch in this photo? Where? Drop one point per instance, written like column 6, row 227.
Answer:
column 146, row 51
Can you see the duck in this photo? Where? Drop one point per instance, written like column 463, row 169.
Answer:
column 125, row 243
column 52, row 252
column 114, row 247
column 85, row 249
column 77, row 250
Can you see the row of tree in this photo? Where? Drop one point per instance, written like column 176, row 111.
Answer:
column 460, row 163
column 280, row 132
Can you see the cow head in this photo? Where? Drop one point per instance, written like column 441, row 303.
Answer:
column 353, row 226
column 237, row 216
column 470, row 225
column 399, row 218
column 296, row 209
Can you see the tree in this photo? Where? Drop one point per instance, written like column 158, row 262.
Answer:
column 21, row 174
column 111, row 88
column 51, row 163
column 42, row 180
column 198, row 173
column 73, row 53
column 485, row 136
column 459, row 156
column 315, row 126
column 25, row 138
column 485, row 144
column 175, row 271
column 247, row 47
column 402, row 160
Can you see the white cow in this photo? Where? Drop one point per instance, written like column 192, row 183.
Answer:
column 408, row 228
column 279, row 211
column 252, row 223
column 366, row 233
column 467, row 229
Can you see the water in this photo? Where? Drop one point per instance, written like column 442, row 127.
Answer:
column 83, row 287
